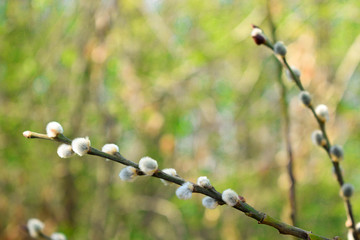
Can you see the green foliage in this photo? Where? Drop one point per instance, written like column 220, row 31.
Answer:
column 182, row 82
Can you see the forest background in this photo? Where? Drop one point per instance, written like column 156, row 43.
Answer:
column 183, row 83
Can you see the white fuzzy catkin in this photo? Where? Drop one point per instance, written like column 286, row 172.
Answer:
column 58, row 236
column 305, row 98
column 322, row 112
column 230, row 197
column 27, row 134
column 185, row 191
column 148, row 165
column 347, row 190
column 350, row 235
column 168, row 171
column 128, row 174
column 81, row 146
column 280, row 49
column 258, row 35
column 53, row 129
column 357, row 227
column 209, row 202
column 256, row 31
column 34, row 226
column 65, row 151
column 110, row 148
column 296, row 72
column 317, row 138
column 336, row 153
column 204, row 182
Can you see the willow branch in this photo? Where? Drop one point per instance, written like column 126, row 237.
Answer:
column 40, row 234
column 44, row 236
column 350, row 223
column 242, row 206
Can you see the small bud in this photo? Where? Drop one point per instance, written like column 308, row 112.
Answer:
column 204, row 182
column 322, row 112
column 128, row 174
column 350, row 235
column 257, row 35
column 348, row 223
column 317, row 138
column 168, row 171
column 337, row 153
column 110, row 148
column 357, row 227
column 35, row 226
column 230, row 197
column 27, row 134
column 53, row 129
column 280, row 49
column 185, row 191
column 81, row 146
column 347, row 190
column 296, row 72
column 148, row 165
column 65, row 151
column 209, row 202
column 58, row 236
column 305, row 98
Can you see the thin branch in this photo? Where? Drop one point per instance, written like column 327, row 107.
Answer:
column 350, row 223
column 40, row 234
column 44, row 236
column 242, row 206
column 287, row 123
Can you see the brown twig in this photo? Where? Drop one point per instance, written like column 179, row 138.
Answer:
column 287, row 123
column 242, row 206
column 350, row 223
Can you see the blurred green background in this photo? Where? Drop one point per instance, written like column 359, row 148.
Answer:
column 180, row 81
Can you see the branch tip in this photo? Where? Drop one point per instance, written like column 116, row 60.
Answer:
column 27, row 134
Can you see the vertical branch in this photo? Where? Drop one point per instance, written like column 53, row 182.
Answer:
column 103, row 24
column 70, row 192
column 286, row 121
column 346, row 190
